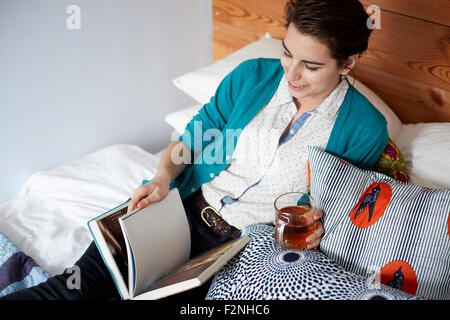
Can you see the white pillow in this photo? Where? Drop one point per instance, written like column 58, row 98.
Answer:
column 426, row 150
column 394, row 123
column 179, row 119
column 202, row 83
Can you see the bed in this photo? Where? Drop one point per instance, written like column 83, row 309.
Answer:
column 404, row 74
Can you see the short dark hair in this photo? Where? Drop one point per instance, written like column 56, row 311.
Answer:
column 339, row 24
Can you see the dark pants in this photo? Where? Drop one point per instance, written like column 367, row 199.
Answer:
column 96, row 281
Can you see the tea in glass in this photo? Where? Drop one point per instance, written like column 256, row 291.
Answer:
column 294, row 220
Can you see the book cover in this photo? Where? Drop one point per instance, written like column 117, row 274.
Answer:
column 146, row 251
column 134, row 244
column 196, row 271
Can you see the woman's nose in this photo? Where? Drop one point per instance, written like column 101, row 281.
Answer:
column 293, row 73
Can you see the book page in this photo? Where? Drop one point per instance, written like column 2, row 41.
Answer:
column 112, row 233
column 194, row 272
column 196, row 266
column 159, row 239
column 110, row 241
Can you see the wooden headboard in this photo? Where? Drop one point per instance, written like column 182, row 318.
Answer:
column 407, row 63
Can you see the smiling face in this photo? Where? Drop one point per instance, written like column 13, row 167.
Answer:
column 311, row 72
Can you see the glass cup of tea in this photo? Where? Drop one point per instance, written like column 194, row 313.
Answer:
column 294, row 220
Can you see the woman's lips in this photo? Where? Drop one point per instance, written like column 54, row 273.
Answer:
column 295, row 87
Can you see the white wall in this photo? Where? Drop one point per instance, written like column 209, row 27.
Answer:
column 65, row 93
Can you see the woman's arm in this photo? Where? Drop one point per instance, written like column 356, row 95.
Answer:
column 168, row 169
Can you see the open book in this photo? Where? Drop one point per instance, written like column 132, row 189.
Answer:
column 147, row 250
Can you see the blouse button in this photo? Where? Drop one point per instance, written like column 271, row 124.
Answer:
column 192, row 189
column 211, row 175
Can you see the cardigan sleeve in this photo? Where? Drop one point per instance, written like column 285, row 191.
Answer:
column 369, row 148
column 214, row 115
column 360, row 133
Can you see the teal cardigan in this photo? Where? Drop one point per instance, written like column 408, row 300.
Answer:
column 359, row 135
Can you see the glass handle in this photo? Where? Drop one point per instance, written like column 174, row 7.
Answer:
column 280, row 233
column 280, row 225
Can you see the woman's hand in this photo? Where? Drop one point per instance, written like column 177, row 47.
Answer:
column 153, row 191
column 313, row 239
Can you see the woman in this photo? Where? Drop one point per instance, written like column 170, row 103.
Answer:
column 276, row 110
column 323, row 42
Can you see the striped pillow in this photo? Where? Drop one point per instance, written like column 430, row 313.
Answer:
column 395, row 233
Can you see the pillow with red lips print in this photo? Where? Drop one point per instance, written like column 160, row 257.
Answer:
column 380, row 228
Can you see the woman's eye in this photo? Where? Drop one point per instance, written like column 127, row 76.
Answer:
column 311, row 69
column 287, row 54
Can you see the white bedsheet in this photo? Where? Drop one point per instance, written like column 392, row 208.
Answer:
column 48, row 219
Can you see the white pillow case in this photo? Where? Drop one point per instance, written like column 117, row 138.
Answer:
column 201, row 84
column 426, row 150
column 179, row 119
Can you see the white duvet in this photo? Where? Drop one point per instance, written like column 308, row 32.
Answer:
column 48, row 219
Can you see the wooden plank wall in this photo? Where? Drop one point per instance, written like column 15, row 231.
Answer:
column 407, row 63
